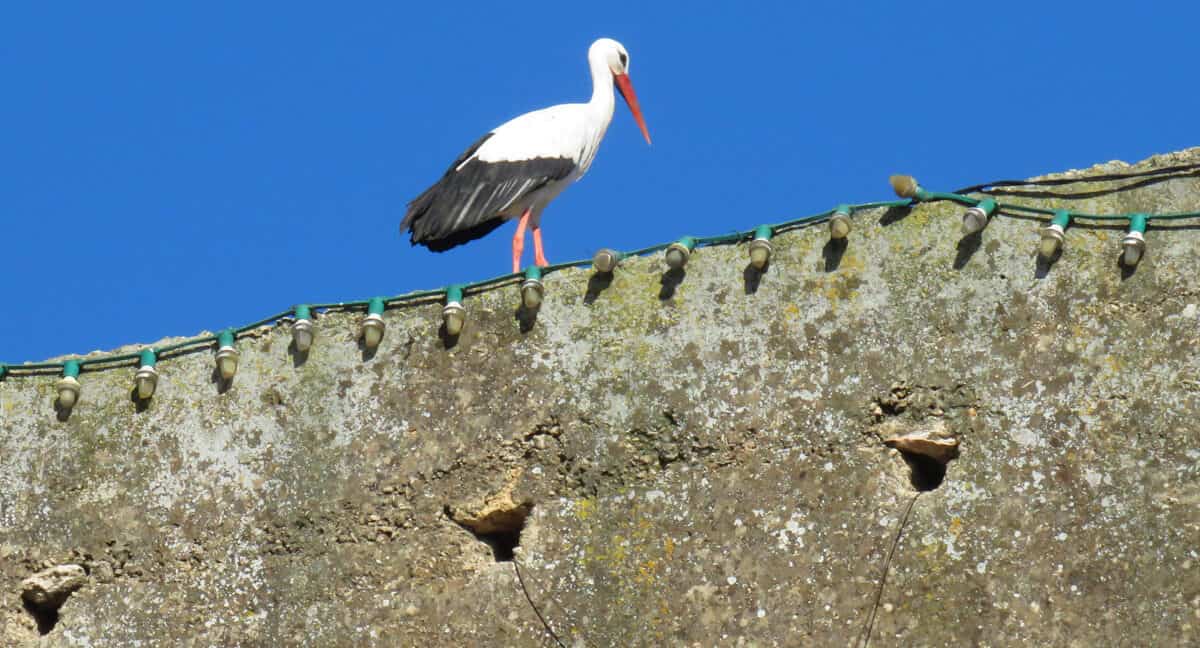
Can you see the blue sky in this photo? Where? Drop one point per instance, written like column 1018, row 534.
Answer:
column 167, row 169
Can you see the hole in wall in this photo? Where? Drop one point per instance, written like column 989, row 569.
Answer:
column 925, row 473
column 45, row 616
column 43, row 593
column 499, row 526
column 926, row 456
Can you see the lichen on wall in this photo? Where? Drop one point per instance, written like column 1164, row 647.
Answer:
column 705, row 460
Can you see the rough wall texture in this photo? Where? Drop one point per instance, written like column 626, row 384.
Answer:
column 699, row 465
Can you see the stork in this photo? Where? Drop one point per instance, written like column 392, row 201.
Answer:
column 517, row 169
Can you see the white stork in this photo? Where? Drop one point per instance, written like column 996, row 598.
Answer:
column 518, row 168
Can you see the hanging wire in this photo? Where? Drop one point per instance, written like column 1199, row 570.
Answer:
column 1054, row 182
column 865, row 637
column 96, row 363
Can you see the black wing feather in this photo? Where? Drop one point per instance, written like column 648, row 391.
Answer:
column 465, row 204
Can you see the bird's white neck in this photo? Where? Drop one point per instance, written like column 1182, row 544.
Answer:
column 599, row 110
column 603, row 100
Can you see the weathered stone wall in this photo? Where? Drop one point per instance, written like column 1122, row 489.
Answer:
column 700, row 465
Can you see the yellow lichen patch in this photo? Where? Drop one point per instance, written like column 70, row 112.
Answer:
column 633, row 554
column 851, row 263
column 647, row 572
column 919, row 217
column 956, row 526
column 584, row 508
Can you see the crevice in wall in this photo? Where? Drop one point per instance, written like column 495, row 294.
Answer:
column 926, row 456
column 499, row 527
column 46, row 616
column 925, row 473
column 44, row 593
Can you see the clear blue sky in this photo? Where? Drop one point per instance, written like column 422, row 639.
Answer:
column 165, row 170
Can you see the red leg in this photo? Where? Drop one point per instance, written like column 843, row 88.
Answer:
column 519, row 240
column 539, row 255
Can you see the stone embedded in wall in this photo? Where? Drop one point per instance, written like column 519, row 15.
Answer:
column 50, row 587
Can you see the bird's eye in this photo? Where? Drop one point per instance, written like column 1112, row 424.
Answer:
column 624, row 59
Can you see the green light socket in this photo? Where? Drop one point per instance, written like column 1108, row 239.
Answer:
column 375, row 306
column 1062, row 218
column 148, row 357
column 1137, row 223
column 844, row 210
column 454, row 293
column 988, row 206
column 225, row 338
column 71, row 369
column 533, row 272
column 688, row 242
column 763, row 232
column 303, row 312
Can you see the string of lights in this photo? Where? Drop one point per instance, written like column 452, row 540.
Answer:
column 979, row 212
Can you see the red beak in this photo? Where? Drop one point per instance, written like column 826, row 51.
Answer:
column 626, row 88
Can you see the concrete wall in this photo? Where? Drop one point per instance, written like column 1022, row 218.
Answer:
column 698, row 465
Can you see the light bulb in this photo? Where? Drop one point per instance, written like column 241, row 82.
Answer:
column 973, row 220
column 373, row 326
column 1134, row 243
column 905, row 186
column 227, row 362
column 1052, row 240
column 677, row 258
column 68, row 386
column 227, row 356
column 606, row 260
column 454, row 316
column 1054, row 234
column 532, row 292
column 68, row 391
column 372, row 330
column 302, row 328
column 146, row 380
column 839, row 225
column 976, row 217
column 760, row 246
column 532, row 289
column 760, row 253
column 678, row 252
column 1134, row 246
column 302, row 335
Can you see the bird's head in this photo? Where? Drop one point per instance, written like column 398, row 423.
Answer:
column 617, row 58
